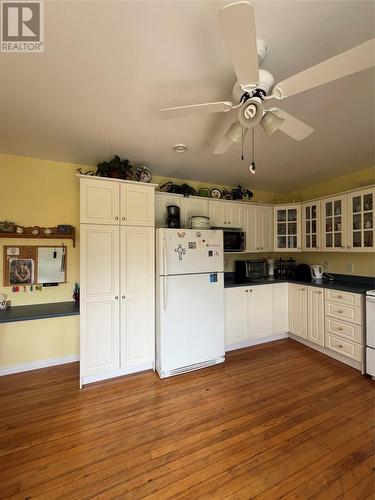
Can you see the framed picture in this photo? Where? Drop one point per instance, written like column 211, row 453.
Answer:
column 21, row 271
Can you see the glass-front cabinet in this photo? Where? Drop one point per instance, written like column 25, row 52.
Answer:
column 311, row 233
column 288, row 228
column 361, row 220
column 334, row 224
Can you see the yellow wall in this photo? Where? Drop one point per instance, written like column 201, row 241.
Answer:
column 46, row 193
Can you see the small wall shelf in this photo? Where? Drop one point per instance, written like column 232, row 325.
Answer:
column 41, row 235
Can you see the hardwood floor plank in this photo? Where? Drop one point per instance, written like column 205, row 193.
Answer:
column 230, row 431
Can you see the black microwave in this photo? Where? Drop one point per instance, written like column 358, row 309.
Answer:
column 250, row 269
column 234, row 241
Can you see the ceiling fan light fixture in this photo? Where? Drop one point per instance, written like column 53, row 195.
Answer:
column 180, row 148
column 251, row 112
column 270, row 122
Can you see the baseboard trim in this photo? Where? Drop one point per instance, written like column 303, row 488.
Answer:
column 36, row 365
column 97, row 377
column 249, row 343
column 332, row 354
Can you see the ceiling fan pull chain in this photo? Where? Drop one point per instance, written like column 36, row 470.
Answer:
column 242, row 143
column 252, row 165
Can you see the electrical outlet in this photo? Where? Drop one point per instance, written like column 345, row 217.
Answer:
column 325, row 265
column 350, row 266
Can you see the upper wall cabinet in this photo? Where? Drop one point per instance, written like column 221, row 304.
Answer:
column 360, row 210
column 125, row 203
column 258, row 224
column 100, row 201
column 334, row 224
column 137, row 205
column 191, row 207
column 311, row 232
column 288, row 228
column 225, row 214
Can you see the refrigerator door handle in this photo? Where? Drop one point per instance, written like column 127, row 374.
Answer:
column 165, row 295
column 165, row 270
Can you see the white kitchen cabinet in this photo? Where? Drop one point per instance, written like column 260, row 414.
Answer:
column 191, row 207
column 287, row 226
column 235, row 312
column 248, row 314
column 311, row 227
column 280, row 308
column 117, row 288
column 315, row 315
column 258, row 225
column 250, row 227
column 100, row 287
column 361, row 213
column 99, row 201
column 137, row 295
column 298, row 310
column 259, row 311
column 137, row 204
column 334, row 224
column 225, row 214
column 105, row 201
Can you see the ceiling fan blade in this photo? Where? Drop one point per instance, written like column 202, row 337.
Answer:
column 234, row 133
column 347, row 63
column 292, row 126
column 197, row 109
column 237, row 22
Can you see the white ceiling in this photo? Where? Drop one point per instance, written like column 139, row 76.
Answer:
column 109, row 66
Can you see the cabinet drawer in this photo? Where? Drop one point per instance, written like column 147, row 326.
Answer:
column 353, row 314
column 345, row 347
column 343, row 330
column 351, row 299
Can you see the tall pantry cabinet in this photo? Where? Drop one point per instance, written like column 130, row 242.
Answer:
column 117, row 278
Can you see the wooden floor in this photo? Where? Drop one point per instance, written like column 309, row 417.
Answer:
column 278, row 420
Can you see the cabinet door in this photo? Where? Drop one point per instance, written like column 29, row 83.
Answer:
column 361, row 237
column 288, row 228
column 216, row 211
column 280, row 309
column 311, row 229
column 191, row 207
column 137, row 295
column 162, row 201
column 260, row 311
column 264, row 228
column 334, row 224
column 234, row 316
column 251, row 228
column 315, row 316
column 298, row 310
column 99, row 201
column 137, row 205
column 233, row 214
column 99, row 298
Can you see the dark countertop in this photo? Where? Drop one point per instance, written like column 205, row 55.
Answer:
column 39, row 311
column 342, row 282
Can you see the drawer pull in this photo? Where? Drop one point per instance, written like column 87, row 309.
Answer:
column 340, row 346
column 340, row 329
column 339, row 311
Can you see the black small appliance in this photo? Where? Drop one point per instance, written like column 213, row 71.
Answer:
column 173, row 217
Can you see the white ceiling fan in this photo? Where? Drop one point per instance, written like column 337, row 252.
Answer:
column 254, row 86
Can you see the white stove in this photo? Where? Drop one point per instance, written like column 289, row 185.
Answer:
column 370, row 332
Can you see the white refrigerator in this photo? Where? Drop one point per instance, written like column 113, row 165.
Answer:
column 189, row 300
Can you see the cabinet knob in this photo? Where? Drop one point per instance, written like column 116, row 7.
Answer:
column 250, row 290
column 116, row 218
column 339, row 311
column 340, row 346
column 123, row 296
column 349, row 247
column 123, row 218
column 116, row 298
column 342, row 246
column 340, row 329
